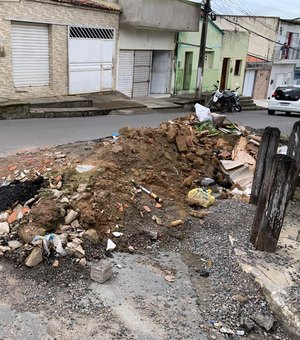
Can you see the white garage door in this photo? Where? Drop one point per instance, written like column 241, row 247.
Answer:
column 249, row 83
column 142, row 73
column 90, row 59
column 30, row 54
column 125, row 72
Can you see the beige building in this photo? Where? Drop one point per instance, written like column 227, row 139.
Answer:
column 262, row 43
column 57, row 47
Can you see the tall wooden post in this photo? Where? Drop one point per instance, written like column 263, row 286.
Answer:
column 267, row 149
column 272, row 203
column 294, row 152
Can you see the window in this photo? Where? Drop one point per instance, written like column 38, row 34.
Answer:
column 237, row 67
column 209, row 60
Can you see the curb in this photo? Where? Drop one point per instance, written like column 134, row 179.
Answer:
column 286, row 314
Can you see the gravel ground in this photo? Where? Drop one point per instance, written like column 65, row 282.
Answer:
column 210, row 298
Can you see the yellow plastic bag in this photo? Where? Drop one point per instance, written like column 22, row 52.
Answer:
column 202, row 197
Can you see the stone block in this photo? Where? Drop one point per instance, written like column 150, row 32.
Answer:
column 101, row 272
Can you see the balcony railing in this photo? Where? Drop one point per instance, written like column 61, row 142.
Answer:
column 286, row 53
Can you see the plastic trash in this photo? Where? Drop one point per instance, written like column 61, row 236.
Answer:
column 84, row 168
column 55, row 241
column 206, row 181
column 201, row 197
column 115, row 137
column 202, row 113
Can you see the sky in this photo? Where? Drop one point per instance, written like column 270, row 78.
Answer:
column 285, row 9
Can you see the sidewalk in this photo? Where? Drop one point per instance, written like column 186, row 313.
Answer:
column 261, row 102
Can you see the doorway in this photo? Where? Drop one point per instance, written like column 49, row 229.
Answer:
column 224, row 74
column 161, row 71
column 187, row 76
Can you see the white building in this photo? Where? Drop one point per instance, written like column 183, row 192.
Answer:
column 286, row 62
column 147, row 42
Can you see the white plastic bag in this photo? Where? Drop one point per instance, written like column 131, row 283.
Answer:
column 56, row 241
column 202, row 113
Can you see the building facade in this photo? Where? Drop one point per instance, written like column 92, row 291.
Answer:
column 262, row 41
column 148, row 34
column 188, row 57
column 225, row 59
column 57, row 47
column 286, row 62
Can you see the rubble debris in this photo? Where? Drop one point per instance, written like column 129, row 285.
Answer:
column 157, row 219
column 35, row 257
column 74, row 248
column 55, row 263
column 176, row 223
column 71, row 216
column 238, row 172
column 27, row 232
column 4, row 228
column 15, row 244
column 19, row 192
column 264, row 321
column 102, row 271
column 99, row 193
column 170, row 278
column 117, row 234
column 91, row 235
column 4, row 216
column 110, row 245
column 47, row 214
column 199, row 213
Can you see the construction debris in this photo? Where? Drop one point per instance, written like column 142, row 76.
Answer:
column 186, row 163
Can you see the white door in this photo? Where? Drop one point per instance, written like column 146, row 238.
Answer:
column 125, row 72
column 30, row 54
column 90, row 59
column 161, row 71
column 141, row 73
column 249, row 83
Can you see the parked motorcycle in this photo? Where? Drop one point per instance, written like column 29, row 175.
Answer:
column 225, row 100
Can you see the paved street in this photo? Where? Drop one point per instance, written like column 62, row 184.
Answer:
column 19, row 135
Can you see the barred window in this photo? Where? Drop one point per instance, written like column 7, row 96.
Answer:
column 91, row 33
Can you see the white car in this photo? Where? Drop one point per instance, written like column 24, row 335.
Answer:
column 286, row 98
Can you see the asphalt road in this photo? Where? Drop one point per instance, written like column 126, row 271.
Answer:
column 21, row 135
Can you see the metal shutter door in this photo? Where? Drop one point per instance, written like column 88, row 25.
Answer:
column 125, row 72
column 30, row 54
column 142, row 72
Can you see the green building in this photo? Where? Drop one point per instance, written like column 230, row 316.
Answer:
column 225, row 59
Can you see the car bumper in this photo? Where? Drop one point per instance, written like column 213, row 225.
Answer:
column 284, row 107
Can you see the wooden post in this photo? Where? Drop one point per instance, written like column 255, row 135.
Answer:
column 267, row 149
column 272, row 203
column 294, row 152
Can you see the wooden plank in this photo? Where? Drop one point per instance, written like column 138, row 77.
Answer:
column 272, row 203
column 294, row 152
column 267, row 149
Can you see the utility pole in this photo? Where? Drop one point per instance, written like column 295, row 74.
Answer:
column 206, row 11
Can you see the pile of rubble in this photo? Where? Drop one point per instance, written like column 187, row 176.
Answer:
column 87, row 202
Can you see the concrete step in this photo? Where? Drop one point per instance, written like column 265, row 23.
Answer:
column 13, row 109
column 64, row 112
column 60, row 102
column 247, row 102
column 249, row 107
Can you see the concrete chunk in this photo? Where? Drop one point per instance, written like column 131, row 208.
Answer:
column 101, row 272
column 34, row 258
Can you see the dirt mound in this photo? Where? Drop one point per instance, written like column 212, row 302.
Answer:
column 169, row 161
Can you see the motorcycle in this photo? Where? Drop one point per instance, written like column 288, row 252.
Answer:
column 228, row 99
